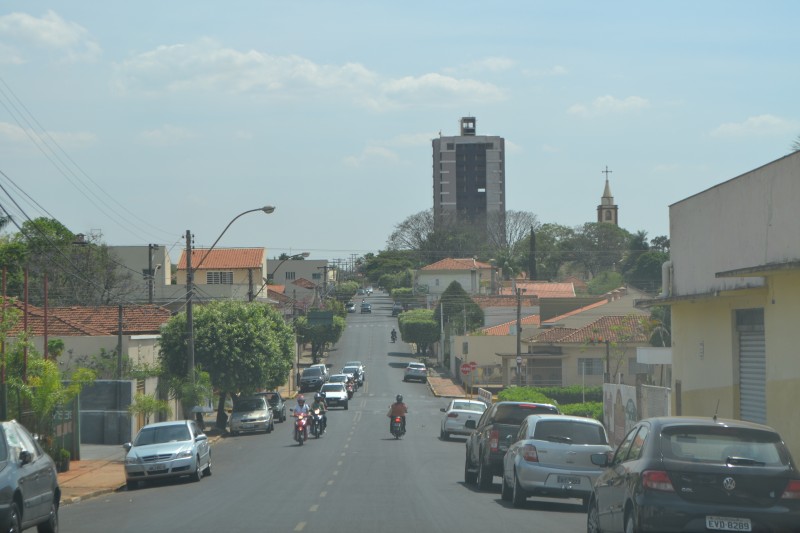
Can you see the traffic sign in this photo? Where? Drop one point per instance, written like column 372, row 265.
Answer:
column 519, row 360
column 466, row 368
column 472, row 365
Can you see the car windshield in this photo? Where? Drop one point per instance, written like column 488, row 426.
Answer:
column 250, row 404
column 3, row 445
column 312, row 371
column 516, row 413
column 162, row 434
column 723, row 445
column 338, row 379
column 350, row 370
column 328, row 387
column 470, row 406
column 570, row 431
column 272, row 398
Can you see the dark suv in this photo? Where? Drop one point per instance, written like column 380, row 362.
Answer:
column 496, row 429
column 312, row 379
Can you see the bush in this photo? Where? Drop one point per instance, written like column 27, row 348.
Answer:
column 523, row 394
column 588, row 409
column 572, row 394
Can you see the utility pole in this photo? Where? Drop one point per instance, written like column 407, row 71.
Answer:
column 189, row 315
column 519, row 337
column 151, row 276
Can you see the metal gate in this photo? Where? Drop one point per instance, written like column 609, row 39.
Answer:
column 752, row 365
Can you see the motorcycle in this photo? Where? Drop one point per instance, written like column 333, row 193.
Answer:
column 350, row 390
column 394, row 336
column 397, row 427
column 300, row 431
column 316, row 423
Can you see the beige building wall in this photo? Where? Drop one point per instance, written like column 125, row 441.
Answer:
column 437, row 282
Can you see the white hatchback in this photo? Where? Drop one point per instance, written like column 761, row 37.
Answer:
column 457, row 412
column 416, row 372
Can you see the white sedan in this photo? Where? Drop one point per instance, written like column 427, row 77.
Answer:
column 457, row 412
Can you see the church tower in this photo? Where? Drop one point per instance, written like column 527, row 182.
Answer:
column 607, row 210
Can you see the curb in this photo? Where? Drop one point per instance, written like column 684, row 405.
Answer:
column 98, row 492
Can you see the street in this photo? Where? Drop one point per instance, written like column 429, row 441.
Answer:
column 356, row 477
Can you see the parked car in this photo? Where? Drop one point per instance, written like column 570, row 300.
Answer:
column 397, row 309
column 312, row 379
column 552, row 457
column 492, row 434
column 325, row 370
column 29, row 491
column 366, row 307
column 335, row 394
column 251, row 414
column 350, row 307
column 362, row 370
column 167, row 449
column 416, row 372
column 276, row 403
column 356, row 371
column 696, row 474
column 457, row 412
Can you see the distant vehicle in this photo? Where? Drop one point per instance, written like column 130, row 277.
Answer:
column 350, row 307
column 397, row 309
column 488, row 443
column 369, row 290
column 356, row 371
column 362, row 371
column 335, row 395
column 366, row 307
column 416, row 372
column 276, row 403
column 361, row 292
column 552, row 457
column 165, row 450
column 29, row 492
column 323, row 367
column 312, row 379
column 251, row 414
column 681, row 473
column 456, row 414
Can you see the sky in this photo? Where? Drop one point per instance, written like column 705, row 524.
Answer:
column 138, row 121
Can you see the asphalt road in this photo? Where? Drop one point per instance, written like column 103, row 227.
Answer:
column 356, row 478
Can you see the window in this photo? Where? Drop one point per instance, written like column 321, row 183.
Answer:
column 590, row 366
column 608, row 215
column 219, row 278
column 289, row 276
column 465, row 348
column 451, row 146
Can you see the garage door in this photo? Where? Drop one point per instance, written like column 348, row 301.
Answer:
column 752, row 365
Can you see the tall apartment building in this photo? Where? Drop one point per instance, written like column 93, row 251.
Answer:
column 469, row 180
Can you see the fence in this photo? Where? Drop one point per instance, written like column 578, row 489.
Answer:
column 104, row 416
column 625, row 405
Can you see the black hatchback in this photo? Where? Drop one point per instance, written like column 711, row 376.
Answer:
column 696, row 474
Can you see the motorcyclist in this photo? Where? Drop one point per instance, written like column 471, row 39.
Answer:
column 322, row 405
column 394, row 335
column 398, row 409
column 301, row 409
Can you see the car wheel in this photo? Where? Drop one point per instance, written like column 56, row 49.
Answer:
column 593, row 518
column 346, row 405
column 506, row 491
column 630, row 525
column 484, row 476
column 234, row 433
column 198, row 472
column 207, row 471
column 469, row 477
column 51, row 525
column 443, row 434
column 405, row 379
column 518, row 495
column 271, row 426
column 13, row 519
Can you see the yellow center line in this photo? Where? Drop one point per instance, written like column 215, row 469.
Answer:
column 300, row 526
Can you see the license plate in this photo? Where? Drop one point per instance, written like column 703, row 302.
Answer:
column 568, row 480
column 156, row 468
column 724, row 523
column 247, row 426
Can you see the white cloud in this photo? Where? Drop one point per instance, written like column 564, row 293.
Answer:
column 606, row 105
column 757, row 126
column 205, row 65
column 49, row 32
column 16, row 134
column 166, row 135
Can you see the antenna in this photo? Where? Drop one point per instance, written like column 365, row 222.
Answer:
column 716, row 410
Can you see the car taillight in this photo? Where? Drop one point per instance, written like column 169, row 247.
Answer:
column 452, row 415
column 494, row 435
column 657, row 480
column 792, row 490
column 530, row 454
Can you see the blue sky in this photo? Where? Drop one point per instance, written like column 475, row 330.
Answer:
column 140, row 120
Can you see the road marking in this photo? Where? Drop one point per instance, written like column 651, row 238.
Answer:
column 343, row 454
column 323, row 493
column 335, row 472
column 313, row 508
column 346, row 445
column 300, row 526
column 330, row 482
column 339, row 463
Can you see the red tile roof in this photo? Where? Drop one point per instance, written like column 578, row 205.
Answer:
column 303, row 282
column 457, row 264
column 543, row 289
column 218, row 258
column 612, row 328
column 504, row 300
column 504, row 329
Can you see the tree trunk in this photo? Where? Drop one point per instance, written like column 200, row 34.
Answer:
column 222, row 416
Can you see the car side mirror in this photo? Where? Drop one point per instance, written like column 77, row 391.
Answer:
column 201, row 436
column 600, row 459
column 127, row 446
column 470, row 424
column 443, row 410
column 25, row 457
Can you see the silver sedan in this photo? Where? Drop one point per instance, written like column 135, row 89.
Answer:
column 457, row 412
column 167, row 449
column 552, row 457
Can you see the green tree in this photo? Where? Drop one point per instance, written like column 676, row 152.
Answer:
column 645, row 273
column 319, row 335
column 148, row 405
column 388, row 263
column 419, row 326
column 605, row 282
column 243, row 347
column 458, row 309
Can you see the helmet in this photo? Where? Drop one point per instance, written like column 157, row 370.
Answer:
column 318, row 396
column 301, row 398
column 399, row 398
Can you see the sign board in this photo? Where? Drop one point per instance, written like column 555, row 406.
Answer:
column 466, row 368
column 320, row 318
column 472, row 366
column 519, row 360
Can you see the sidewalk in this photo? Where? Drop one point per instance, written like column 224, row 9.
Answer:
column 442, row 385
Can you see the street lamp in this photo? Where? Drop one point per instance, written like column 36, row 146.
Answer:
column 271, row 275
column 190, row 282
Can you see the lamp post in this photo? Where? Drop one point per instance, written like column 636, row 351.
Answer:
column 271, row 275
column 190, row 283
